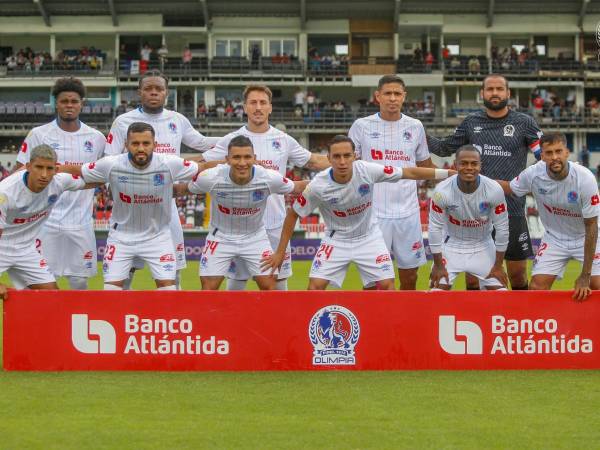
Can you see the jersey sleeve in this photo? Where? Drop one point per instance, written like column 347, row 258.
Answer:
column 422, row 150
column 521, row 185
column 194, row 139
column 532, row 135
column 69, row 182
column 436, row 221
column 100, row 145
column 3, row 210
column 181, row 169
column 204, row 181
column 306, row 202
column 590, row 199
column 297, row 155
column 277, row 183
column 115, row 141
column 32, row 140
column 355, row 134
column 500, row 219
column 99, row 171
column 448, row 145
column 218, row 152
column 383, row 174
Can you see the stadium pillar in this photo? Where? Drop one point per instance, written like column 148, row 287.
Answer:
column 577, row 48
column 195, row 102
column 117, row 55
column 443, row 101
column 488, row 51
column 209, row 96
column 579, row 97
column 53, row 45
column 396, row 44
column 303, row 48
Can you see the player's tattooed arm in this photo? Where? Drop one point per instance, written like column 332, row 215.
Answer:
column 582, row 283
column 180, row 190
column 426, row 173
column 317, row 162
column 275, row 260
column 69, row 168
column 505, row 186
column 426, row 163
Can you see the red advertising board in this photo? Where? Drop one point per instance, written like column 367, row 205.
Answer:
column 97, row 330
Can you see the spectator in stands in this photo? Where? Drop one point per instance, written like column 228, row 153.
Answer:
column 122, row 108
column 418, row 55
column 163, row 54
column 11, row 62
column 199, row 211
column 538, row 106
column 584, row 156
column 594, row 108
column 202, row 111
column 299, row 99
column 454, row 64
column 255, row 56
column 474, row 65
column 445, row 54
column 429, row 62
column 310, row 102
column 145, row 53
column 220, row 110
column 186, row 59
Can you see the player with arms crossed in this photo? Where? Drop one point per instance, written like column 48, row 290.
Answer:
column 504, row 138
column 463, row 211
column 26, row 200
column 390, row 138
column 569, row 204
column 274, row 149
column 344, row 195
column 239, row 195
column 172, row 129
column 67, row 239
column 142, row 187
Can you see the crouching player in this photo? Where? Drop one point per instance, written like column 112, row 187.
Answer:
column 239, row 192
column 463, row 211
column 142, row 187
column 569, row 204
column 26, row 200
column 344, row 196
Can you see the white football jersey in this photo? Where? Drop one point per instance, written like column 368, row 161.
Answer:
column 274, row 149
column 236, row 211
column 346, row 208
column 464, row 221
column 22, row 212
column 400, row 143
column 563, row 204
column 142, row 198
column 74, row 210
column 170, row 127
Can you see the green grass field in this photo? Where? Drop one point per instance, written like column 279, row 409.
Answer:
column 304, row 410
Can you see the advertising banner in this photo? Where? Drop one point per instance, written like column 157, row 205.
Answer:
column 251, row 331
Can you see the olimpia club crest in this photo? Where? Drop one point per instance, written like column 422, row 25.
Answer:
column 334, row 332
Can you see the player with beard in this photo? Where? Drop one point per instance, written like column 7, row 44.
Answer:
column 67, row 238
column 172, row 130
column 569, row 204
column 504, row 138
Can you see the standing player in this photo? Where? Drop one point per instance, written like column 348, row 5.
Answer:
column 274, row 149
column 344, row 195
column 239, row 195
column 504, row 137
column 67, row 238
column 390, row 138
column 569, row 204
column 172, row 129
column 26, row 201
column 464, row 210
column 142, row 187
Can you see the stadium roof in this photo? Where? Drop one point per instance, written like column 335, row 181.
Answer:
column 307, row 9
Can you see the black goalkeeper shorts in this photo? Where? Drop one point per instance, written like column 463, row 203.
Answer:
column 519, row 242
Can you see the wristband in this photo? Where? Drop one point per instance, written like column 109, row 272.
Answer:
column 441, row 174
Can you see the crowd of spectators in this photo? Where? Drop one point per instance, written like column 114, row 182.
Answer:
column 84, row 58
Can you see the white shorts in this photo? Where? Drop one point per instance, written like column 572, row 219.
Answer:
column 27, row 268
column 218, row 254
column 157, row 252
column 552, row 258
column 178, row 242
column 370, row 255
column 238, row 270
column 478, row 263
column 404, row 240
column 69, row 252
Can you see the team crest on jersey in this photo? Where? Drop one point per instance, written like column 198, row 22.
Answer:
column 52, row 199
column 222, row 194
column 55, row 145
column 88, row 147
column 407, row 136
column 572, row 197
column 542, row 191
column 172, row 127
column 364, row 189
column 257, row 196
column 477, row 129
column 204, row 262
column 375, row 135
column 333, row 201
column 232, row 267
column 276, row 145
column 316, row 265
column 484, row 207
column 334, row 332
column 122, row 179
column 159, row 179
column 509, row 130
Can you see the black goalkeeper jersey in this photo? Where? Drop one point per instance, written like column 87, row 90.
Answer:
column 503, row 144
